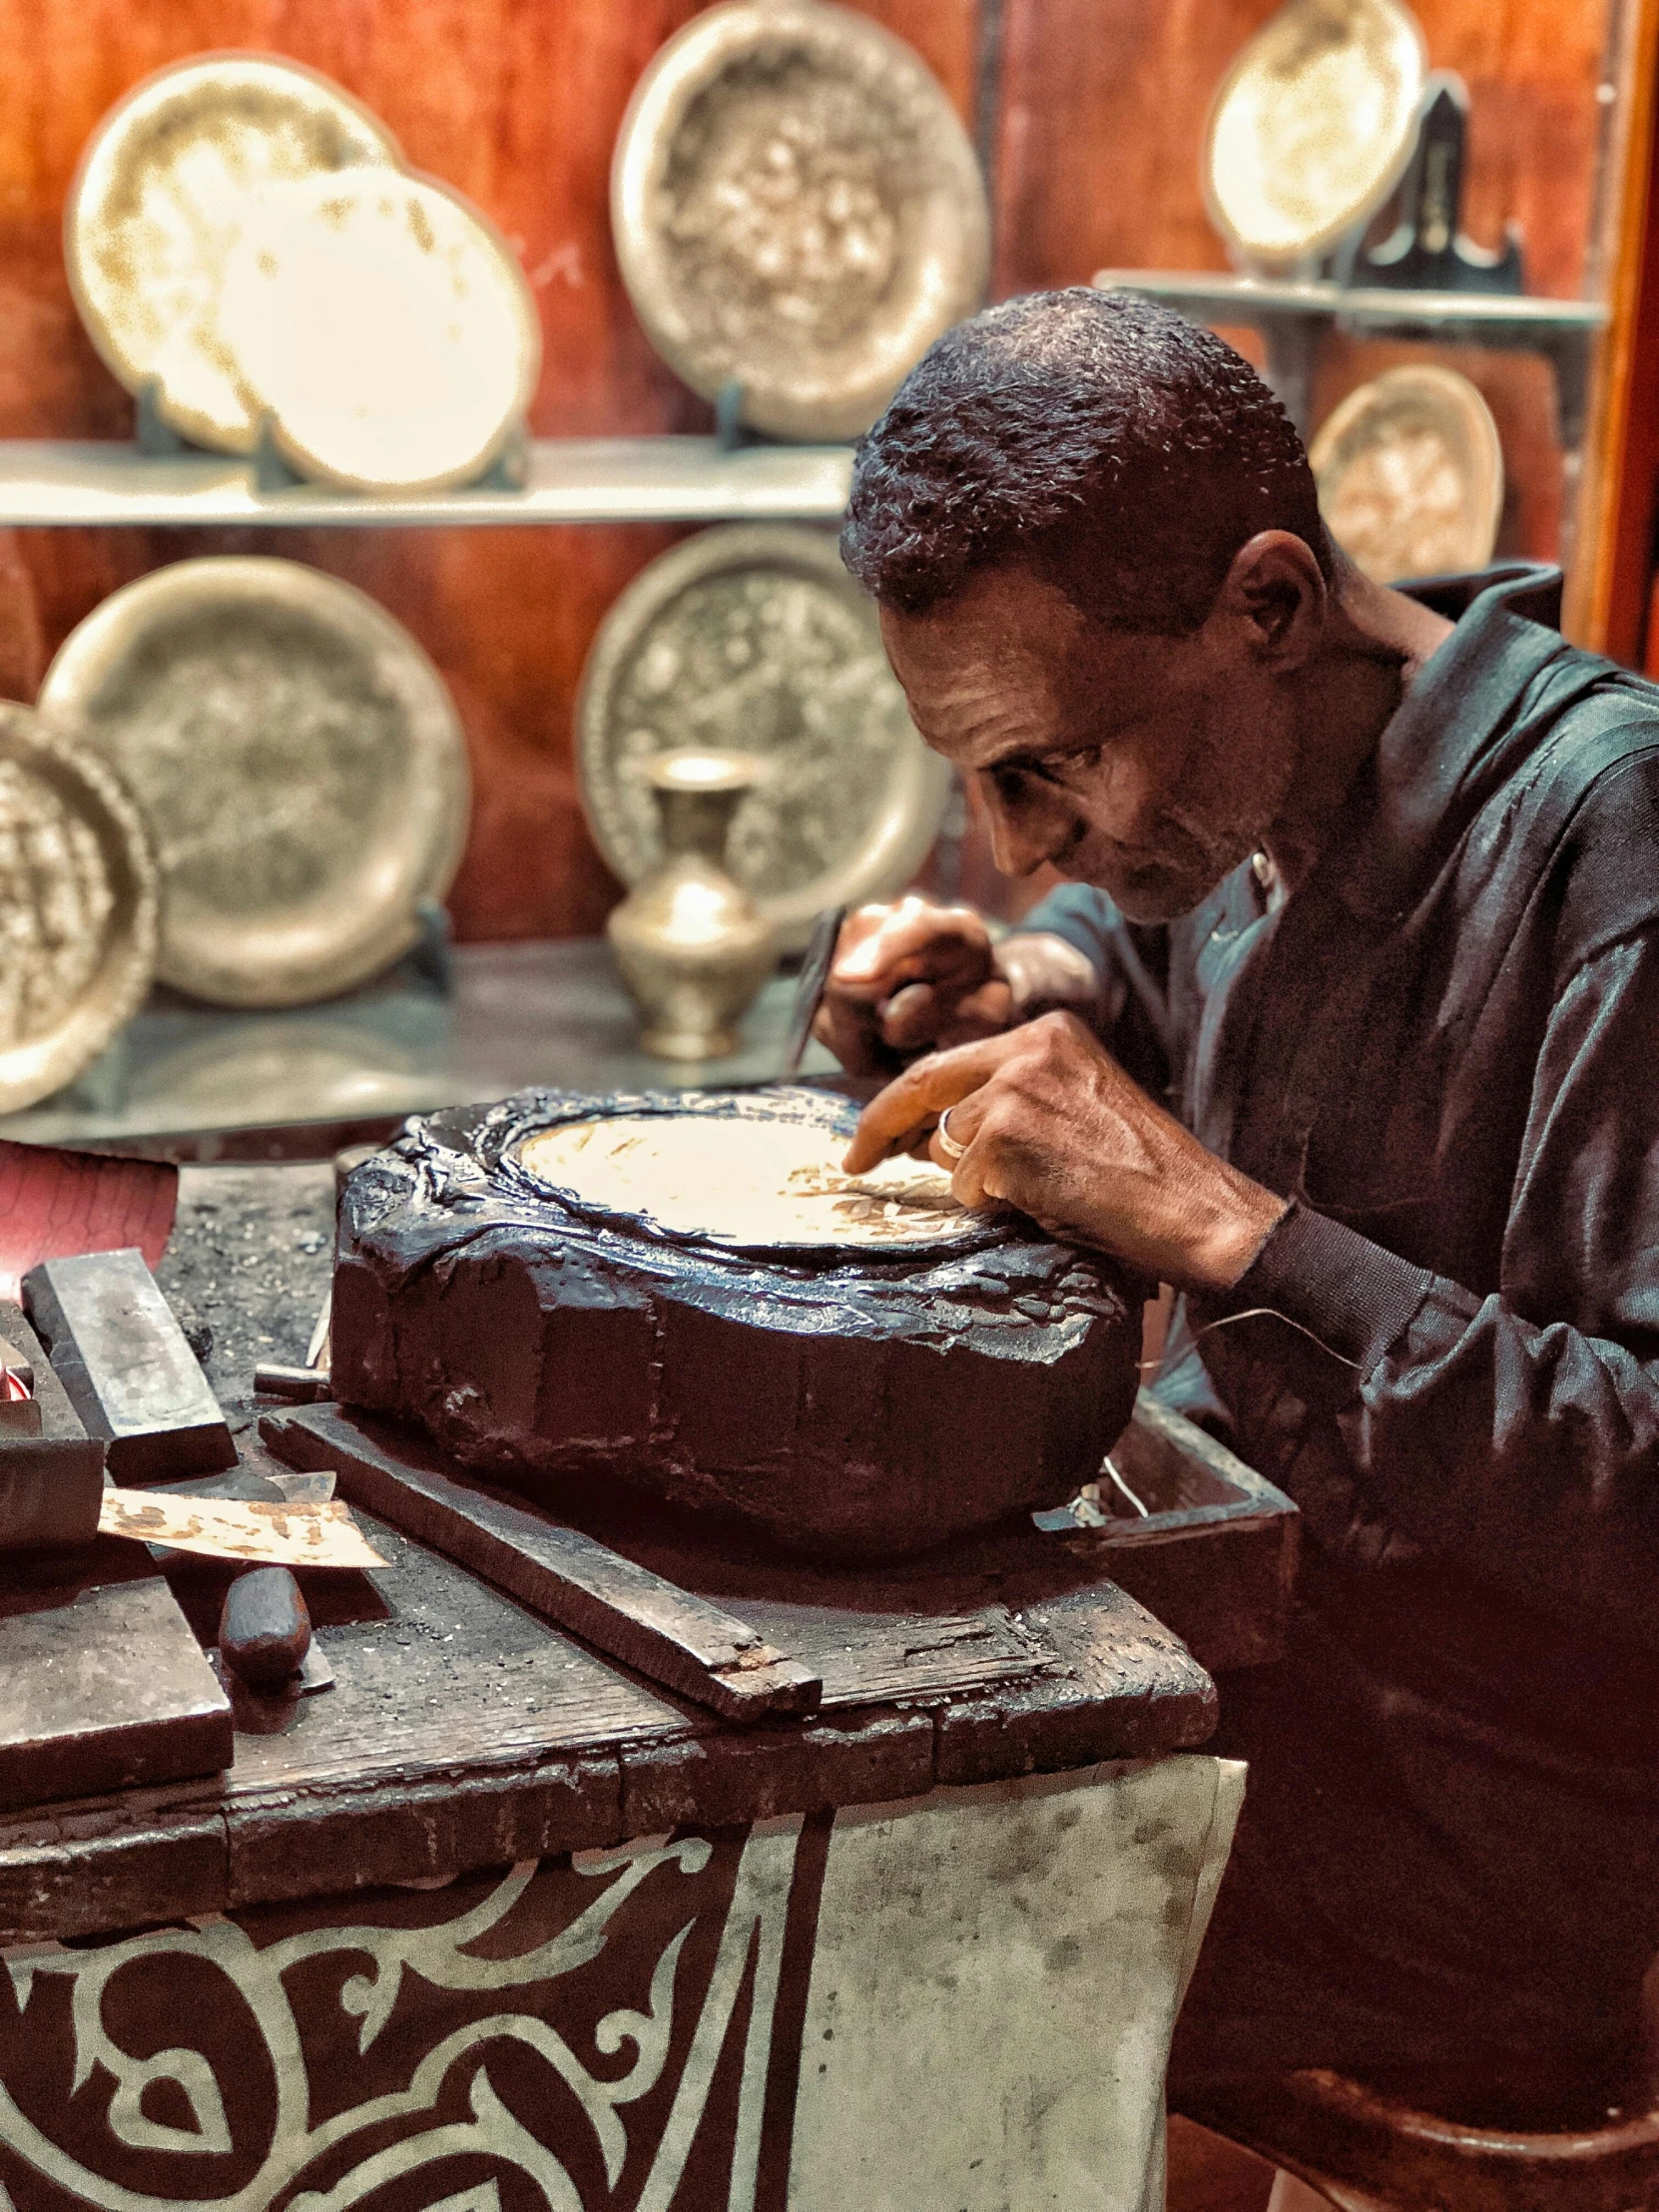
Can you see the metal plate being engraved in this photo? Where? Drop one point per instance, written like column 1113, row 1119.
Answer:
column 1313, row 126
column 757, row 638
column 385, row 327
column 159, row 203
column 1411, row 474
column 796, row 209
column 299, row 760
column 79, row 905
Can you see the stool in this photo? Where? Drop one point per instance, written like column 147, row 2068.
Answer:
column 1364, row 2152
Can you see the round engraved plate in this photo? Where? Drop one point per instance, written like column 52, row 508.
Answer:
column 299, row 759
column 385, row 327
column 1411, row 474
column 1313, row 126
column 79, row 904
column 757, row 639
column 165, row 187
column 797, row 210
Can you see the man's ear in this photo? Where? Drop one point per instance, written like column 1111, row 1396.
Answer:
column 1274, row 592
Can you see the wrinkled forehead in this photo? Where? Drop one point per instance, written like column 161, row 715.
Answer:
column 1010, row 662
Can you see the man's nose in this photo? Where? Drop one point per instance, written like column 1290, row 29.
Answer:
column 1026, row 836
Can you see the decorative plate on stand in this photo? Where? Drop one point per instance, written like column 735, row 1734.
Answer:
column 755, row 638
column 79, row 904
column 297, row 756
column 385, row 327
column 1313, row 126
column 797, row 210
column 160, row 200
column 1409, row 470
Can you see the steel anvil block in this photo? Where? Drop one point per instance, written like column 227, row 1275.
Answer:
column 120, row 1354
column 49, row 1483
column 847, row 1405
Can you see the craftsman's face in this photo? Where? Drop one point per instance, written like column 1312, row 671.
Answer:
column 1149, row 766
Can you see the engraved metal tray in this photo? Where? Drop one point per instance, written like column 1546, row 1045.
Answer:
column 159, row 203
column 1409, row 469
column 1313, row 126
column 797, row 210
column 301, row 762
column 79, row 907
column 755, row 638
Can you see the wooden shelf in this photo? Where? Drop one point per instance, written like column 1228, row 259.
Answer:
column 47, row 483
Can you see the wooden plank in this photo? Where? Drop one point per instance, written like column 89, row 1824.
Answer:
column 625, row 1610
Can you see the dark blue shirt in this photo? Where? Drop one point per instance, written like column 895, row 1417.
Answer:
column 1444, row 1050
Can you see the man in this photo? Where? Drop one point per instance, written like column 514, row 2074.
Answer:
column 1359, row 990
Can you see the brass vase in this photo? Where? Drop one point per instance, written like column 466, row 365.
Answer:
column 693, row 946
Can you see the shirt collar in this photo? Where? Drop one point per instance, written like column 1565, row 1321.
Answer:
column 1443, row 751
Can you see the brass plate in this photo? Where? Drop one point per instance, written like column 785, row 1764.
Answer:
column 159, row 203
column 79, row 910
column 385, row 328
column 1411, row 474
column 1313, row 126
column 299, row 759
column 755, row 638
column 797, row 208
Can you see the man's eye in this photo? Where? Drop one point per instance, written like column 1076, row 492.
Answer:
column 1083, row 762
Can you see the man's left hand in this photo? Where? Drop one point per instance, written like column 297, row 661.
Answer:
column 1054, row 1127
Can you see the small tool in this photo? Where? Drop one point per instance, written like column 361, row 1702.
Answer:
column 287, row 1532
column 265, row 1631
column 811, row 983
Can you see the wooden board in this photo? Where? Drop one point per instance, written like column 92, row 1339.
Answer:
column 1215, row 1559
column 625, row 1610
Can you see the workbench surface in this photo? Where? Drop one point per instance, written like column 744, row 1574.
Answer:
column 464, row 1732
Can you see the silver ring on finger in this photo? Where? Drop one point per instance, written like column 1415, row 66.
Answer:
column 951, row 1147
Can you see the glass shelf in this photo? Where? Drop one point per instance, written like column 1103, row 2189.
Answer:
column 569, row 480
column 202, row 1082
column 1291, row 312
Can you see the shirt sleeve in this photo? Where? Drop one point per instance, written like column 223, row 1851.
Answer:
column 1520, row 1432
column 1131, row 1011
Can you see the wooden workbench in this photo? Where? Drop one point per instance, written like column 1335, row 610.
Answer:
column 464, row 1737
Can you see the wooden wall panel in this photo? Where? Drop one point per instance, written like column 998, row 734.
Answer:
column 1096, row 109
column 517, row 102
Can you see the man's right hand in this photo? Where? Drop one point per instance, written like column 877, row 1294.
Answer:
column 911, row 977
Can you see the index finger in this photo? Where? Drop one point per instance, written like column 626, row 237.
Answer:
column 914, row 1100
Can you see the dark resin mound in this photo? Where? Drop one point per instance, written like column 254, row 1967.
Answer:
column 850, row 1403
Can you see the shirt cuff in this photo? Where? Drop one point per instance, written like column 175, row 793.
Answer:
column 1356, row 1297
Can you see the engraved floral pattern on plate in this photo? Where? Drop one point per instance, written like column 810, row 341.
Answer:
column 1409, row 469
column 299, row 759
column 796, row 209
column 757, row 639
column 78, row 910
column 1313, row 126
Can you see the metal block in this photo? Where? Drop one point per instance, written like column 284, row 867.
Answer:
column 51, row 1482
column 126, row 1365
column 104, row 1694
